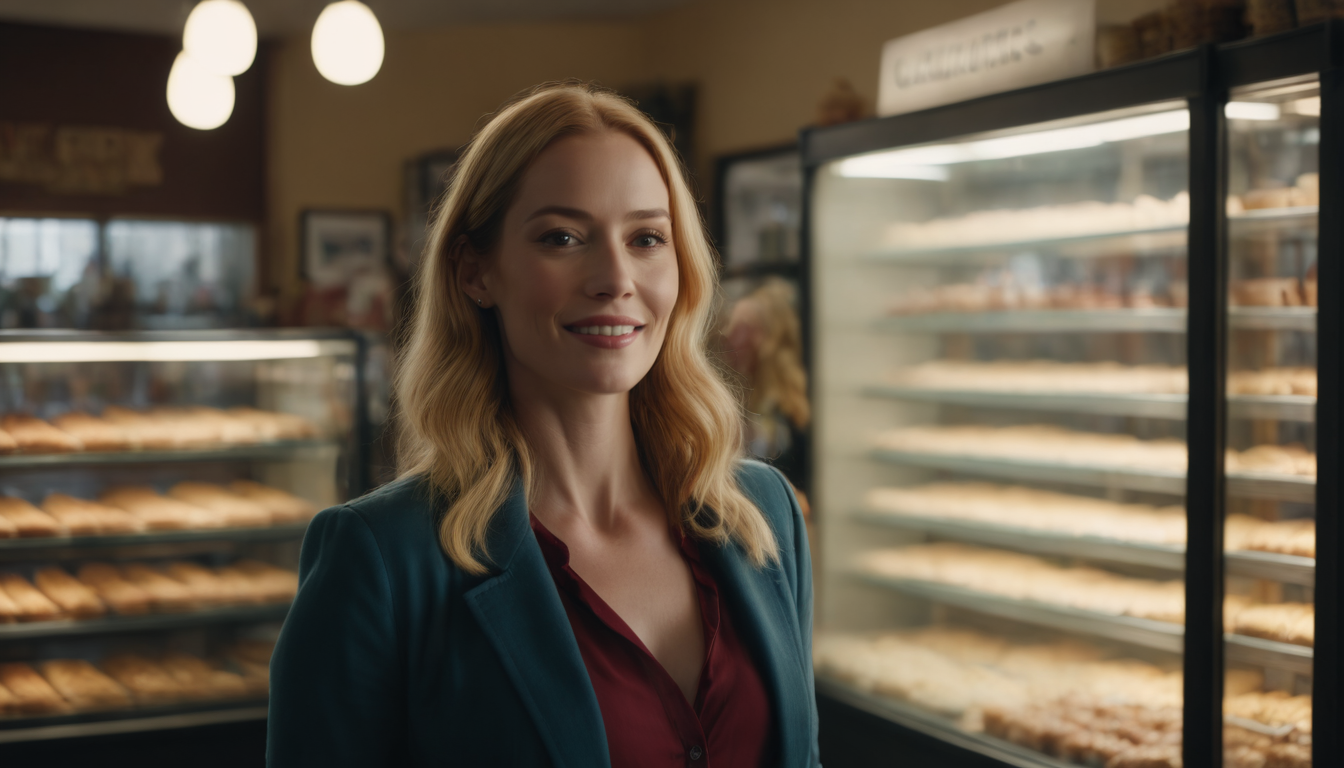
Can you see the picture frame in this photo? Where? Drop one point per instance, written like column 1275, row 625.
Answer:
column 758, row 210
column 337, row 244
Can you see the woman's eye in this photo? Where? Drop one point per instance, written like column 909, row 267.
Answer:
column 648, row 241
column 558, row 239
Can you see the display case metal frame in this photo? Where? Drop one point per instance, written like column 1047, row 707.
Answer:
column 1203, row 78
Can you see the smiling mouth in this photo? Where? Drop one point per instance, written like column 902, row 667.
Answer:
column 603, row 330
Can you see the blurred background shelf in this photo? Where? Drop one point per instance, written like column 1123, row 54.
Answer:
column 1158, row 635
column 154, row 622
column 277, row 451
column 1153, row 320
column 1153, row 406
column 64, row 547
column 110, row 722
column 1282, row 487
column 1287, row 569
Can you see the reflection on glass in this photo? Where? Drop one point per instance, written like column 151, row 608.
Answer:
column 1001, row 392
column 1273, row 141
column 184, row 273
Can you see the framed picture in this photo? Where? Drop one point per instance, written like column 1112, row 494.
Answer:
column 426, row 179
column 338, row 245
column 760, row 210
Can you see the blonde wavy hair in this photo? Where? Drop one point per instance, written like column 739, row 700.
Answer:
column 779, row 381
column 457, row 424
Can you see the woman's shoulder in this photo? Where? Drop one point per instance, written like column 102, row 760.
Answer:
column 771, row 493
column 399, row 514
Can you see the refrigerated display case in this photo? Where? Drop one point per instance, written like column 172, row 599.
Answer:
column 156, row 487
column 1071, row 396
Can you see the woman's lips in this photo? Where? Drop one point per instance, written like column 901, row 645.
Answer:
column 605, row 336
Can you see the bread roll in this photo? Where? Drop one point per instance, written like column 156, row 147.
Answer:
column 7, row 443
column 9, row 703
column 28, row 520
column 165, row 594
column 74, row 597
column 143, row 429
column 199, row 680
column 205, row 585
column 105, row 519
column 34, row 694
column 284, row 507
column 190, row 428
column 37, row 436
column 271, row 583
column 147, row 681
column 81, row 684
column 228, row 428
column 9, row 610
column 122, row 596
column 8, row 530
column 236, row 511
column 276, row 426
column 160, row 513
column 33, row 605
column 96, row 434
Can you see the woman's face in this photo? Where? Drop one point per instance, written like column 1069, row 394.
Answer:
column 585, row 274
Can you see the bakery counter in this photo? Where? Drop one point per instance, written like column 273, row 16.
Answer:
column 1286, row 569
column 1149, row 320
column 1164, row 636
column 1141, row 405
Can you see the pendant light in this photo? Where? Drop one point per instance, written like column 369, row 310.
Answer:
column 197, row 97
column 348, row 43
column 221, row 36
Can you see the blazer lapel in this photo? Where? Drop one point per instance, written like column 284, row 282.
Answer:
column 762, row 609
column 520, row 612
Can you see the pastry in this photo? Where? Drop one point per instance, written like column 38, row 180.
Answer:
column 143, row 429
column 1267, row 292
column 160, row 513
column 165, row 594
column 147, row 681
column 270, row 583
column 81, row 684
column 199, row 680
column 94, row 433
column 74, row 597
column 32, row 604
column 271, row 425
column 103, row 518
column 205, row 584
column 34, row 694
column 284, row 507
column 120, row 595
column 7, row 443
column 34, row 435
column 236, row 511
column 27, row 519
column 8, row 530
column 9, row 610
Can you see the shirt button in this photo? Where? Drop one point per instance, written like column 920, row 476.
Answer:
column 696, row 753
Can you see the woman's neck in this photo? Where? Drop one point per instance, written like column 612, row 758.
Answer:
column 584, row 451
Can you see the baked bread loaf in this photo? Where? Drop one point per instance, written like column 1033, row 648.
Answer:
column 253, row 657
column 269, row 583
column 1285, row 622
column 8, row 530
column 34, row 435
column 199, row 680
column 73, row 597
column 94, row 433
column 271, row 425
column 33, row 693
column 160, row 513
column 27, row 519
column 105, row 519
column 143, row 429
column 236, row 511
column 147, row 681
column 9, row 610
column 284, row 507
column 205, row 585
column 7, row 443
column 165, row 594
column 119, row 594
column 32, row 604
column 81, row 684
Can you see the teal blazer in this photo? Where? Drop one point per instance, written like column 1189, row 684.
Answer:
column 392, row 656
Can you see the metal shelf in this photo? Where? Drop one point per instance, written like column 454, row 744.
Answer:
column 158, row 718
column 1153, row 320
column 54, row 546
column 1281, row 487
column 1152, row 406
column 1271, row 219
column 1158, row 635
column 288, row 449
column 1263, row 565
column 155, row 622
column 941, row 728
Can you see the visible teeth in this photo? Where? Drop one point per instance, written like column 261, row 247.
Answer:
column 605, row 330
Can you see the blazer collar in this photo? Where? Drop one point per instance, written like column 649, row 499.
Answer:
column 520, row 612
column 761, row 606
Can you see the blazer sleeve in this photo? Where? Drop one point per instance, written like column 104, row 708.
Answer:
column 802, row 570
column 335, row 675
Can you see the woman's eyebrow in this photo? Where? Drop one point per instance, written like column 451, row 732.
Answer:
column 648, row 213
column 576, row 213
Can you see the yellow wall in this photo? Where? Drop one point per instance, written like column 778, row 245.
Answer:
column 762, row 67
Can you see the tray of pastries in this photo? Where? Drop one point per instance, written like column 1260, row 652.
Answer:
column 157, row 429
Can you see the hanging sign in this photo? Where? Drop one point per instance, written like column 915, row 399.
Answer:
column 79, row 160
column 1013, row 46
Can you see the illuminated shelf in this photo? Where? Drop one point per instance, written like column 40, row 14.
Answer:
column 110, row 722
column 56, row 546
column 280, row 450
column 153, row 622
column 1152, row 320
column 1153, row 406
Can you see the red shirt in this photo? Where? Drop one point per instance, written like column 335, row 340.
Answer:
column 648, row 721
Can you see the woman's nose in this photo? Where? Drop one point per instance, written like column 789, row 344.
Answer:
column 610, row 275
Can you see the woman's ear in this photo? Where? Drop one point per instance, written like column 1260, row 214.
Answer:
column 471, row 268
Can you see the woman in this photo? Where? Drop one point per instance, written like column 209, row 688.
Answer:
column 576, row 568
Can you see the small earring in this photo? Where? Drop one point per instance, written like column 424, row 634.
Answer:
column 479, row 304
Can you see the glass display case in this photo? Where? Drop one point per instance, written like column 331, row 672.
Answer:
column 154, row 490
column 1024, row 311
